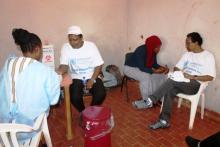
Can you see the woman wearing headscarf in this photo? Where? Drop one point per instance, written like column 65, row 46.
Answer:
column 142, row 66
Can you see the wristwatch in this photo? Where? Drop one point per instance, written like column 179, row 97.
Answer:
column 94, row 81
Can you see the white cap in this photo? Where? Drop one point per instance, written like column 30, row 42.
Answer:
column 75, row 30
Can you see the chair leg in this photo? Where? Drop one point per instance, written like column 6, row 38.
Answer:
column 161, row 107
column 179, row 102
column 126, row 89
column 46, row 132
column 125, row 81
column 194, row 105
column 122, row 84
column 202, row 105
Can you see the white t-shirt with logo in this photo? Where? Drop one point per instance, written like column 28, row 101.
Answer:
column 81, row 61
column 199, row 64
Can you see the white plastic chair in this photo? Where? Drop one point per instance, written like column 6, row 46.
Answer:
column 194, row 99
column 8, row 133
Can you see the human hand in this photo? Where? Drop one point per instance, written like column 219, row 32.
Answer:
column 58, row 71
column 161, row 70
column 188, row 76
column 166, row 69
column 158, row 70
column 89, row 84
column 66, row 80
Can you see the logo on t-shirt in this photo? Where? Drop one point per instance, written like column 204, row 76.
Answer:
column 81, row 65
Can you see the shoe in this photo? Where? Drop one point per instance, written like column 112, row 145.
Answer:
column 137, row 102
column 192, row 142
column 159, row 124
column 142, row 104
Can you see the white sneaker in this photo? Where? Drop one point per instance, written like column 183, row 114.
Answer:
column 142, row 104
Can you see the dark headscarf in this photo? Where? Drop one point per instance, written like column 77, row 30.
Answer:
column 151, row 43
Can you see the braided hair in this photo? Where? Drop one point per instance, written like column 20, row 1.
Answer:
column 26, row 40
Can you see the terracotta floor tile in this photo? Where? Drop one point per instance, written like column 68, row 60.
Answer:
column 131, row 125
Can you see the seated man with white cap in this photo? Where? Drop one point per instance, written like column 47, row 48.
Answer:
column 84, row 63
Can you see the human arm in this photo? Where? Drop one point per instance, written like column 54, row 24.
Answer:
column 64, row 60
column 96, row 73
column 139, row 57
column 199, row 78
column 66, row 80
column 97, row 64
column 182, row 63
column 161, row 70
column 63, row 69
column 203, row 78
column 158, row 69
column 176, row 69
column 197, row 69
column 53, row 87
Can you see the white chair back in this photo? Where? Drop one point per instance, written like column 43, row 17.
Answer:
column 9, row 138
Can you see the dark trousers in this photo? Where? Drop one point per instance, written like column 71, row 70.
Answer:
column 211, row 141
column 169, row 89
column 76, row 93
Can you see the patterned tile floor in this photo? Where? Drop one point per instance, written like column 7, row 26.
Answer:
column 131, row 125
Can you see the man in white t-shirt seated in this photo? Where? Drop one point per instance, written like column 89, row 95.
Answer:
column 84, row 63
column 197, row 65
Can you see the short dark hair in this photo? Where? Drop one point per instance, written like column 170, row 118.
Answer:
column 195, row 37
column 26, row 40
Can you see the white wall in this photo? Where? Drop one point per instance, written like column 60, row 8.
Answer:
column 172, row 20
column 116, row 25
column 102, row 21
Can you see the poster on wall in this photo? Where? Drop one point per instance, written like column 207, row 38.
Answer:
column 48, row 56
